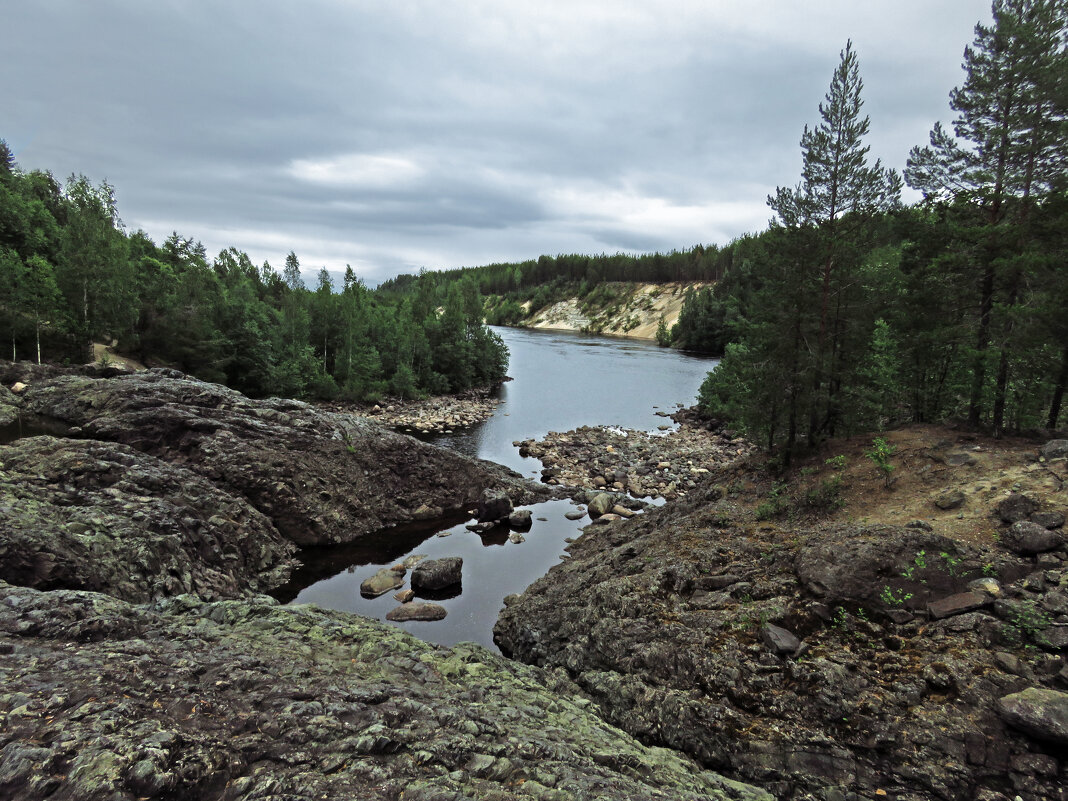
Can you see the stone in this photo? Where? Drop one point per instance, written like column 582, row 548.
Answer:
column 1048, row 519
column 404, row 596
column 779, row 640
column 960, row 458
column 1054, row 449
column 957, row 604
column 986, row 586
column 600, row 504
column 623, row 511
column 520, row 519
column 1015, row 507
column 427, row 512
column 18, row 387
column 1039, row 712
column 386, row 579
column 575, row 514
column 493, row 505
column 949, row 499
column 1027, row 538
column 437, row 574
column 922, row 525
column 515, row 537
column 417, row 611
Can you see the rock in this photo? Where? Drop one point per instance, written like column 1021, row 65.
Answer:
column 622, row 511
column 482, row 528
column 427, row 512
column 1015, row 508
column 1039, row 712
column 949, row 499
column 661, row 622
column 1054, row 449
column 575, row 515
column 515, row 537
column 83, row 514
column 182, row 698
column 386, row 579
column 404, row 596
column 493, row 505
column 1027, row 538
column 296, row 464
column 957, row 604
column 520, row 519
column 417, row 611
column 960, row 458
column 779, row 640
column 986, row 586
column 436, row 574
column 922, row 525
column 1048, row 519
column 600, row 504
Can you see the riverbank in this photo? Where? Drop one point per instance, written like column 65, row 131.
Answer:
column 828, row 634
column 441, row 414
column 615, row 308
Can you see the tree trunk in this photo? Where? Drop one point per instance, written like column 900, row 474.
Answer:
column 1058, row 393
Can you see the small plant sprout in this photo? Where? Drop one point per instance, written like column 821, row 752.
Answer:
column 880, row 454
column 951, row 563
column 892, row 597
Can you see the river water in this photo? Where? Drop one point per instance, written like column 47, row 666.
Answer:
column 561, row 381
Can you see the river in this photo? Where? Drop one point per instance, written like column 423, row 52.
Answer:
column 560, row 381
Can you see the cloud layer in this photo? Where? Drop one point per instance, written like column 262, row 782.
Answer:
column 394, row 136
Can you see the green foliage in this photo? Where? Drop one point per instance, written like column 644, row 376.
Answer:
column 880, row 454
column 1028, row 622
column 892, row 597
column 663, row 335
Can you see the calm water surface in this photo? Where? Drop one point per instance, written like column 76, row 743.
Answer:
column 561, row 381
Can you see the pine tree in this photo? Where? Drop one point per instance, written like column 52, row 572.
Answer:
column 829, row 216
column 1009, row 151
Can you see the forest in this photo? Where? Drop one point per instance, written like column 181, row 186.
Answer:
column 70, row 275
column 851, row 312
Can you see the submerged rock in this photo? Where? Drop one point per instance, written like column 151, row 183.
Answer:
column 417, row 611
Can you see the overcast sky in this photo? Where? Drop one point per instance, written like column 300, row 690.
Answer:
column 397, row 135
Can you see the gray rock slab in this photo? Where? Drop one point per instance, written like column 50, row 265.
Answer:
column 1037, row 711
column 437, row 574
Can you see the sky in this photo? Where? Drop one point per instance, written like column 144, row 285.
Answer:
column 407, row 134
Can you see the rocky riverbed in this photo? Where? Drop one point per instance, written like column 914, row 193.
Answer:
column 441, row 414
column 827, row 660
column 665, row 464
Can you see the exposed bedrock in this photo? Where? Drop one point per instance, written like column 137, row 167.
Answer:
column 243, row 699
column 320, row 477
column 818, row 663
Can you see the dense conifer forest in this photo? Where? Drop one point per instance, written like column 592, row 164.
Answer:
column 71, row 275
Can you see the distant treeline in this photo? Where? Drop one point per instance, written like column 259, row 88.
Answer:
column 70, row 275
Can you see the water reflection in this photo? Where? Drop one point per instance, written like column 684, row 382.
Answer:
column 493, row 568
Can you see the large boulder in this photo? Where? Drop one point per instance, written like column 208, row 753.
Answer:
column 437, row 574
column 1039, row 712
column 1016, row 507
column 1054, row 449
column 1027, row 538
column 493, row 505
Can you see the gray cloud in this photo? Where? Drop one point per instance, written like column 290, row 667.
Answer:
column 410, row 134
